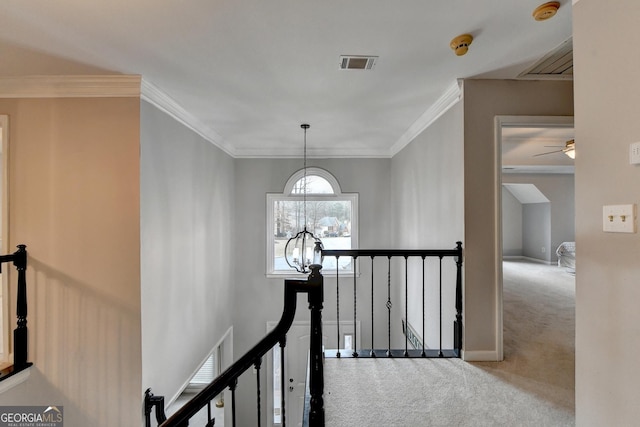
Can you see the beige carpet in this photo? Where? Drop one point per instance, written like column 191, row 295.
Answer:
column 533, row 386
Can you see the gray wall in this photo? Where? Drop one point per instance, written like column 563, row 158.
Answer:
column 187, row 197
column 511, row 224
column 428, row 207
column 258, row 299
column 483, row 101
column 536, row 225
column 607, row 264
column 560, row 190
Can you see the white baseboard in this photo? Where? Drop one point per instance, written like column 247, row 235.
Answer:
column 480, row 356
column 526, row 258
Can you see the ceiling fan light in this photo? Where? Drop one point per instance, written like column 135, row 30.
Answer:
column 570, row 148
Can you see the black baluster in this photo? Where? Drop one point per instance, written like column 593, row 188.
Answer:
column 457, row 330
column 232, row 387
column 257, row 366
column 21, row 334
column 210, row 421
column 389, row 305
column 406, row 306
column 373, row 353
column 355, row 305
column 424, row 332
column 440, row 351
column 338, row 305
column 316, row 377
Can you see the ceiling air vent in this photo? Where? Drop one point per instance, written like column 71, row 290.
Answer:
column 357, row 62
column 556, row 65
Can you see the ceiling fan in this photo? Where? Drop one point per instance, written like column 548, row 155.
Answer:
column 569, row 149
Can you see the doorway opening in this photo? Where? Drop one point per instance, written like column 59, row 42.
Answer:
column 535, row 176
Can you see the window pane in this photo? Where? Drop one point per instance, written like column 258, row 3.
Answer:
column 315, row 185
column 277, row 388
column 330, row 220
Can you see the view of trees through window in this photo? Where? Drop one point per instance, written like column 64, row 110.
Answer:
column 325, row 214
column 323, row 218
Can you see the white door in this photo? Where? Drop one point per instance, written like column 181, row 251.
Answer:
column 296, row 362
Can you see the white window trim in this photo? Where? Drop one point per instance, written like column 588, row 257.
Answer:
column 288, row 187
column 286, row 195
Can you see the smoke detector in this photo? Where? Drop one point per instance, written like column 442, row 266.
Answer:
column 357, row 62
column 460, row 44
column 546, row 11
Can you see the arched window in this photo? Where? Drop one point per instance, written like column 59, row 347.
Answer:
column 329, row 214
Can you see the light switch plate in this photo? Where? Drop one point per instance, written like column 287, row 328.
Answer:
column 619, row 218
column 634, row 153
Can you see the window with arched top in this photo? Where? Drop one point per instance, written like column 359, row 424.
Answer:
column 328, row 213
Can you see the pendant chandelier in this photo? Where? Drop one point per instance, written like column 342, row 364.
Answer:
column 304, row 249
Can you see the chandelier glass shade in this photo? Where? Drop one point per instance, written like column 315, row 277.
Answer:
column 304, row 249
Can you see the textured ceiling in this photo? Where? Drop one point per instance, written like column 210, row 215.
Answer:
column 252, row 71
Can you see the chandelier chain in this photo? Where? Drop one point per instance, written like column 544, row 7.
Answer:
column 304, row 188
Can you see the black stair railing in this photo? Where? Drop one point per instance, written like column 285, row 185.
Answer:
column 313, row 287
column 20, row 334
column 419, row 350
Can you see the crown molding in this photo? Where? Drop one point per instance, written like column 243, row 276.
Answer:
column 448, row 99
column 98, row 86
column 161, row 100
column 322, row 153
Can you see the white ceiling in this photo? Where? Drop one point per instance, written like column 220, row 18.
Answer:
column 252, row 71
column 536, row 149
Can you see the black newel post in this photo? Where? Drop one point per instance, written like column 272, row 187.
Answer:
column 151, row 401
column 457, row 326
column 316, row 379
column 20, row 334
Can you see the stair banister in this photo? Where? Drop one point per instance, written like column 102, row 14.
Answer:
column 20, row 334
column 313, row 286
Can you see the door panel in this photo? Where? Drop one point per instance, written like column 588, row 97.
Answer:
column 296, row 362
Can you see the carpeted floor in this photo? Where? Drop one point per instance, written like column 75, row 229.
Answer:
column 533, row 386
